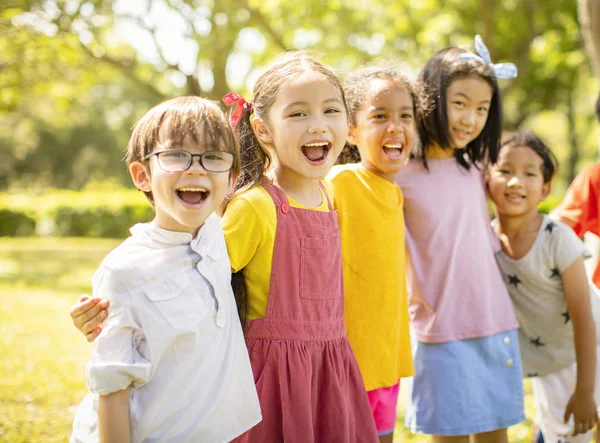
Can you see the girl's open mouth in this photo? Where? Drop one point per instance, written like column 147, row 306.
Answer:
column 193, row 195
column 394, row 152
column 316, row 152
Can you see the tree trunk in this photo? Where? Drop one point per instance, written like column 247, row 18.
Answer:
column 486, row 14
column 573, row 157
column 589, row 21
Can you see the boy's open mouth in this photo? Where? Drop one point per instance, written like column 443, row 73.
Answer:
column 316, row 152
column 193, row 195
column 514, row 197
column 394, row 151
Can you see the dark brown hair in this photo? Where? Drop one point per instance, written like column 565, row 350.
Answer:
column 178, row 118
column 254, row 157
column 357, row 86
column 532, row 141
column 436, row 76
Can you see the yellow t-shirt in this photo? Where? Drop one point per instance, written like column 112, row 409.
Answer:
column 373, row 251
column 249, row 224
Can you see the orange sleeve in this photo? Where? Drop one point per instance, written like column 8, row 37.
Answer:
column 580, row 204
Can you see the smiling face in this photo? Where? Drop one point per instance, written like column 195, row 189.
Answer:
column 182, row 200
column 385, row 128
column 307, row 126
column 516, row 183
column 468, row 101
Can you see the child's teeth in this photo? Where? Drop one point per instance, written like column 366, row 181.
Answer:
column 316, row 144
column 192, row 189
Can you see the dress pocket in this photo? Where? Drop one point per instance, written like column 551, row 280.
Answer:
column 261, row 354
column 181, row 307
column 320, row 268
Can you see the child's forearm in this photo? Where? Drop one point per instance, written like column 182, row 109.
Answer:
column 585, row 351
column 113, row 417
column 577, row 294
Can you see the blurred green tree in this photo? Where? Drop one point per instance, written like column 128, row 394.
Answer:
column 74, row 71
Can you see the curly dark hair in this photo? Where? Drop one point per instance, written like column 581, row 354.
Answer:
column 356, row 88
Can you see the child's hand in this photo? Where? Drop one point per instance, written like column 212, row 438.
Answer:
column 583, row 408
column 88, row 314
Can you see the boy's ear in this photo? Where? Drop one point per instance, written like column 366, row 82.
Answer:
column 262, row 131
column 352, row 135
column 140, row 176
column 546, row 189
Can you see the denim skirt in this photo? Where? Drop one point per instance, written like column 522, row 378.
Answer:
column 465, row 386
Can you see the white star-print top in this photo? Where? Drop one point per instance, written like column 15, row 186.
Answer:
column 536, row 289
column 174, row 335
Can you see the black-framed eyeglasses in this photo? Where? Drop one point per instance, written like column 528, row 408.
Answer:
column 178, row 161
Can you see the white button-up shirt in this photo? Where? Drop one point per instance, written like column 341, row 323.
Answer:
column 172, row 333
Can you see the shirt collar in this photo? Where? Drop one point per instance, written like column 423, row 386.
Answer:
column 205, row 243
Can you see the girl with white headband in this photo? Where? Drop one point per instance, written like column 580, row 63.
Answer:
column 468, row 370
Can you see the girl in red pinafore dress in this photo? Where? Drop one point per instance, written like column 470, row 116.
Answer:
column 284, row 246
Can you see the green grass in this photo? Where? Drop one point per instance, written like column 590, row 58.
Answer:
column 43, row 356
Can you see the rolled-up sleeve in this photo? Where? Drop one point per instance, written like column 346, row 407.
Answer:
column 116, row 364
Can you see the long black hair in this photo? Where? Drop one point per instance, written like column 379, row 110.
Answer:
column 439, row 72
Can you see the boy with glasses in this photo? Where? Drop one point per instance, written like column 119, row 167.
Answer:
column 171, row 363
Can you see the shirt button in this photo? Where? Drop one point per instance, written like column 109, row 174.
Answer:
column 285, row 208
column 506, row 340
column 220, row 321
column 509, row 362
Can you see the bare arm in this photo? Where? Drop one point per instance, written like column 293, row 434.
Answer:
column 113, row 417
column 577, row 292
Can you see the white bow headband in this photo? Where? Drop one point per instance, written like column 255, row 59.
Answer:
column 501, row 70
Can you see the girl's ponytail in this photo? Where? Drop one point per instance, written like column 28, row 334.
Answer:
column 255, row 161
column 254, row 157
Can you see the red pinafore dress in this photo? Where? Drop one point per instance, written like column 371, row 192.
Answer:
column 308, row 382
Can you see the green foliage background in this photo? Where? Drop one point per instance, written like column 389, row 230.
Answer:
column 75, row 75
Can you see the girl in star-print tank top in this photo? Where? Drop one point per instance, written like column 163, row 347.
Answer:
column 284, row 246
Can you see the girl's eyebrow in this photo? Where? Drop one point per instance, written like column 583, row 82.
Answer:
column 462, row 94
column 383, row 108
column 300, row 103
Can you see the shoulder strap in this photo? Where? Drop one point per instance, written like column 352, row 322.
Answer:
column 276, row 194
column 326, row 195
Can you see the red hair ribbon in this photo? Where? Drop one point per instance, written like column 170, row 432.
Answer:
column 242, row 106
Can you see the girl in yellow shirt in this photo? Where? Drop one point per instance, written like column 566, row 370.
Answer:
column 382, row 105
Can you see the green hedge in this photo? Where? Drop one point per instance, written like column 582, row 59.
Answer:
column 107, row 212
column 15, row 224
column 99, row 222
